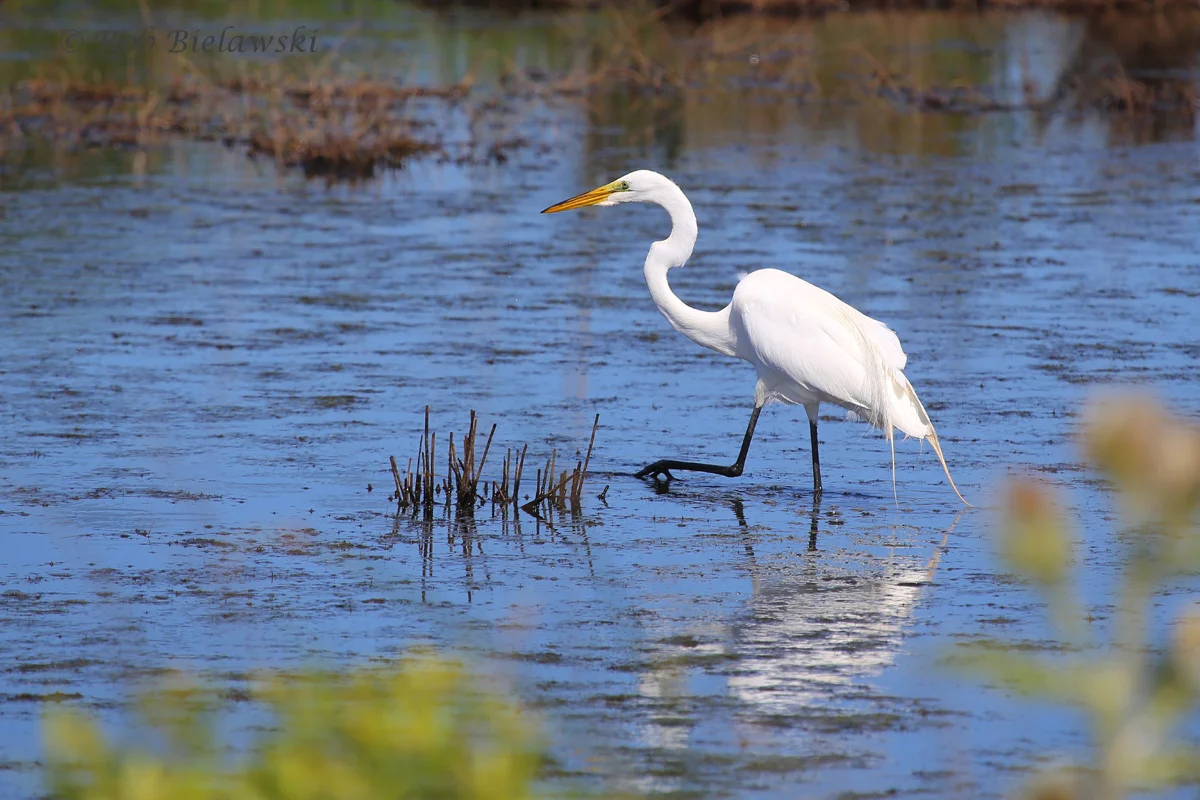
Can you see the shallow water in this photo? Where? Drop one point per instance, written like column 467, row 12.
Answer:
column 207, row 365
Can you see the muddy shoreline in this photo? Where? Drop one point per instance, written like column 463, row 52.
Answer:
column 706, row 10
column 352, row 130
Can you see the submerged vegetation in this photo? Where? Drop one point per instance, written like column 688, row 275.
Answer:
column 1137, row 690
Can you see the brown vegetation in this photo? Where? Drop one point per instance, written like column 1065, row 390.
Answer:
column 700, row 10
column 342, row 130
column 1123, row 66
column 1130, row 62
column 350, row 129
column 420, row 487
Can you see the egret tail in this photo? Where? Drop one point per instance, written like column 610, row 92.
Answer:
column 937, row 448
column 906, row 413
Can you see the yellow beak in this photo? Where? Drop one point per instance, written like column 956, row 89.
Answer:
column 597, row 195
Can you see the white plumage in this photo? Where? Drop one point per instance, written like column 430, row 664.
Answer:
column 807, row 346
column 847, row 358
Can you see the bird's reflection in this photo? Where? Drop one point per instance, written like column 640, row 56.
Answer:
column 739, row 511
column 808, row 636
column 809, row 631
column 814, row 516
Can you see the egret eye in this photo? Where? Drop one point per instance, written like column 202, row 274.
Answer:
column 623, row 186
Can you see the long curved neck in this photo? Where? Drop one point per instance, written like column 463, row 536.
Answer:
column 706, row 328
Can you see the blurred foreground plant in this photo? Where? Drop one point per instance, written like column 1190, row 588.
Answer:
column 421, row 730
column 1134, row 693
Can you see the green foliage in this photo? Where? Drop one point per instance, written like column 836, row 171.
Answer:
column 1134, row 692
column 420, row 730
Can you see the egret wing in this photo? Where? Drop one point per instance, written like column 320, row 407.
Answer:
column 807, row 336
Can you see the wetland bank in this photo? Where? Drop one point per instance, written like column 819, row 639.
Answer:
column 210, row 357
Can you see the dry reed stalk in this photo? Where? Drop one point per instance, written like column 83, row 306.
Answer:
column 463, row 485
column 588, row 458
column 548, row 494
column 395, row 474
column 520, row 469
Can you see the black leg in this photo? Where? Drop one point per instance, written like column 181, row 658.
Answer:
column 812, row 435
column 663, row 467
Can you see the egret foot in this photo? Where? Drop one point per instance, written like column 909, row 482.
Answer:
column 664, row 466
column 657, row 470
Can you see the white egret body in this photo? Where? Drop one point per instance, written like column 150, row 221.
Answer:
column 807, row 346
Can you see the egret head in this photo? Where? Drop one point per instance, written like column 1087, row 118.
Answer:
column 640, row 186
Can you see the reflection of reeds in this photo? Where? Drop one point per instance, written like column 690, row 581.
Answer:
column 636, row 49
column 1132, row 62
column 639, row 52
column 418, row 487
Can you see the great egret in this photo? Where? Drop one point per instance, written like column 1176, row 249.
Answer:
column 807, row 346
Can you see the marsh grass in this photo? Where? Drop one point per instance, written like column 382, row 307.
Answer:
column 344, row 130
column 1131, row 61
column 1132, row 64
column 326, row 122
column 707, row 10
column 419, row 487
